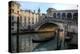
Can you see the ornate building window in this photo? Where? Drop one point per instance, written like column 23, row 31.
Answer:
column 54, row 15
column 12, row 4
column 17, row 12
column 63, row 15
column 75, row 17
column 69, row 16
column 12, row 10
column 25, row 21
column 12, row 23
column 36, row 19
column 58, row 15
column 12, row 28
column 12, row 17
column 32, row 20
column 28, row 20
column 18, row 7
column 21, row 19
column 29, row 27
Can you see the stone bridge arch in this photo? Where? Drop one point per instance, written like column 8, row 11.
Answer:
column 59, row 32
column 60, row 25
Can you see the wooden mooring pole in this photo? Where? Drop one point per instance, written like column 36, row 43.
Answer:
column 17, row 36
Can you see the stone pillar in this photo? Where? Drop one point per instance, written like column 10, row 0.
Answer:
column 61, row 16
column 61, row 35
column 65, row 15
column 72, row 15
column 56, row 14
column 58, row 39
column 31, row 44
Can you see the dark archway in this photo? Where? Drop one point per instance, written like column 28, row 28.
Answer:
column 54, row 15
column 58, row 15
column 75, row 17
column 47, row 26
column 47, row 32
column 63, row 15
column 69, row 16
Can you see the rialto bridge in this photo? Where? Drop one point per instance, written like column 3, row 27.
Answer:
column 65, row 19
column 63, row 22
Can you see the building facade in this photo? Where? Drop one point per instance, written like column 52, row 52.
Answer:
column 27, row 18
column 14, row 11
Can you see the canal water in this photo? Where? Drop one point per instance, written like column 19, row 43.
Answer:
column 42, row 42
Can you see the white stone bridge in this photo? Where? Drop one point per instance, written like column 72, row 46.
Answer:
column 62, row 24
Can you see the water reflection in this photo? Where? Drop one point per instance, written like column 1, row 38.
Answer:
column 43, row 36
column 25, row 41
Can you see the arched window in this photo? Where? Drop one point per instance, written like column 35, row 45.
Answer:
column 54, row 15
column 63, row 15
column 17, row 12
column 28, row 20
column 12, row 4
column 12, row 10
column 36, row 20
column 69, row 16
column 58, row 15
column 29, row 27
column 20, row 20
column 32, row 20
column 75, row 16
column 12, row 17
column 25, row 20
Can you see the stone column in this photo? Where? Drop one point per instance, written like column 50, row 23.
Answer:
column 58, row 39
column 72, row 15
column 31, row 47
column 61, row 35
column 65, row 15
column 56, row 14
column 61, row 15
